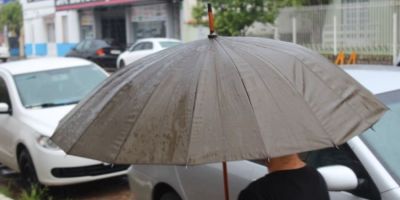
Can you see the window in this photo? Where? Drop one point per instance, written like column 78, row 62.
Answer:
column 51, row 35
column 4, row 96
column 80, row 46
column 57, row 87
column 167, row 44
column 97, row 44
column 137, row 47
column 344, row 156
column 384, row 139
column 87, row 45
column 147, row 46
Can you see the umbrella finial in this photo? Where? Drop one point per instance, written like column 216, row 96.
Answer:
column 211, row 22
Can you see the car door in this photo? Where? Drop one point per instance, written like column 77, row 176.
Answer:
column 206, row 181
column 140, row 50
column 8, row 124
column 343, row 155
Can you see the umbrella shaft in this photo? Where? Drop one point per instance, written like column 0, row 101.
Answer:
column 226, row 186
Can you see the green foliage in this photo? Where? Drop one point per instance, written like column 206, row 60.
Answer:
column 11, row 16
column 231, row 16
column 5, row 191
column 35, row 193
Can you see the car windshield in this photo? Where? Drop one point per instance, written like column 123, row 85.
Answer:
column 57, row 87
column 383, row 139
column 167, row 44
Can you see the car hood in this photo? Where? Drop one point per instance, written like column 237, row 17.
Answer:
column 45, row 120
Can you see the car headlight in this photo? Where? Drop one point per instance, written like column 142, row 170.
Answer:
column 46, row 142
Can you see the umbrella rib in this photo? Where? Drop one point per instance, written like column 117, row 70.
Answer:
column 288, row 82
column 248, row 96
column 282, row 76
column 334, row 92
column 107, row 83
column 141, row 111
column 194, row 108
column 316, row 75
column 219, row 110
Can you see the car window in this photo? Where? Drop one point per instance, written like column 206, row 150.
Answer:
column 147, row 46
column 4, row 95
column 137, row 47
column 57, row 87
column 87, row 45
column 343, row 155
column 168, row 44
column 384, row 138
column 97, row 44
column 80, row 45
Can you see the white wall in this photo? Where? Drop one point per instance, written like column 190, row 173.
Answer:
column 39, row 30
column 33, row 19
column 72, row 26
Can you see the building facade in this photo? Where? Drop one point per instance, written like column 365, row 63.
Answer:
column 39, row 27
column 52, row 28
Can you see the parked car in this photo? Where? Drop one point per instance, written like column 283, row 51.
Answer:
column 143, row 48
column 4, row 53
column 366, row 167
column 34, row 95
column 102, row 52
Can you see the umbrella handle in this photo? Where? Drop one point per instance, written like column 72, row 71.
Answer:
column 211, row 21
column 226, row 184
column 210, row 18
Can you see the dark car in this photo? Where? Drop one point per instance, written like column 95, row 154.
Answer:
column 102, row 52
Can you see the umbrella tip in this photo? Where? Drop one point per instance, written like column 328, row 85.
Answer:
column 211, row 22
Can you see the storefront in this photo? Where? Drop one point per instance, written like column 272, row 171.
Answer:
column 124, row 21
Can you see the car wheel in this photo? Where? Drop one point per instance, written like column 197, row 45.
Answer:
column 27, row 169
column 170, row 196
column 121, row 64
column 4, row 60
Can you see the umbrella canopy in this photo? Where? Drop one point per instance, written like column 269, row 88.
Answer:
column 219, row 99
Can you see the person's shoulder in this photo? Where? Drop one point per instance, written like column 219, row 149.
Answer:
column 253, row 190
column 246, row 194
column 257, row 184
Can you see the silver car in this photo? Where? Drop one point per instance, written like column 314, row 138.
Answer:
column 367, row 167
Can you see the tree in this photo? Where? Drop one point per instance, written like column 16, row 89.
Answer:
column 11, row 16
column 231, row 16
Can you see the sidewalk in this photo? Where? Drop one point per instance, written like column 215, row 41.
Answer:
column 2, row 197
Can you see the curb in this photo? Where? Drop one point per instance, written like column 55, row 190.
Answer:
column 2, row 197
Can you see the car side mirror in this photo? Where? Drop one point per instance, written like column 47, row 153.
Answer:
column 5, row 109
column 339, row 177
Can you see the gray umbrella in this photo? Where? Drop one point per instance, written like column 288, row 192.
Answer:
column 219, row 99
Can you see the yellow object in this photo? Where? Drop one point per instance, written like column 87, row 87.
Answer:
column 353, row 58
column 340, row 58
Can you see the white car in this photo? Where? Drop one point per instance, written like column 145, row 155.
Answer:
column 367, row 167
column 34, row 95
column 143, row 48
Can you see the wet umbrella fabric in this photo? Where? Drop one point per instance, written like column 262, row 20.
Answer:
column 221, row 99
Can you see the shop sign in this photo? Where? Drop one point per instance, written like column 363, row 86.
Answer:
column 72, row 2
column 87, row 18
column 145, row 13
column 79, row 4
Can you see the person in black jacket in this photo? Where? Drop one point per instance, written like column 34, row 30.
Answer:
column 289, row 178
